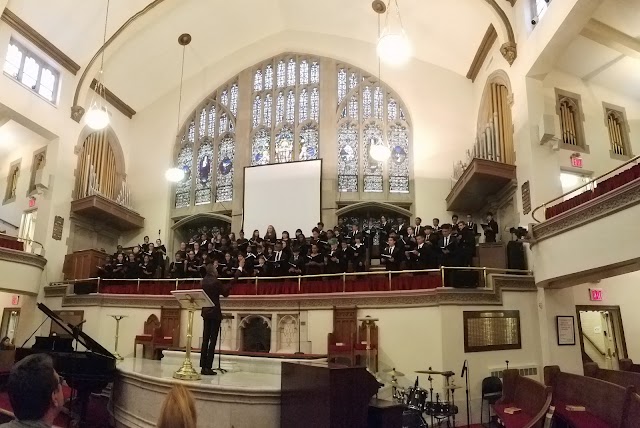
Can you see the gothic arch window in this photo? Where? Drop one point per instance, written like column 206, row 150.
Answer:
column 368, row 111
column 206, row 151
column 618, row 127
column 285, row 110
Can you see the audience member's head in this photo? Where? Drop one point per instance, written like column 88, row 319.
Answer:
column 6, row 343
column 35, row 389
column 178, row 409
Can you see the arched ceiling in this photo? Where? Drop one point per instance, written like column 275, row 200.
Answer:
column 142, row 65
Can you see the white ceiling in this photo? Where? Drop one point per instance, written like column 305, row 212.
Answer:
column 601, row 65
column 144, row 63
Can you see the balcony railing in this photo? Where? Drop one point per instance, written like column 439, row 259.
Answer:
column 21, row 244
column 357, row 282
column 599, row 186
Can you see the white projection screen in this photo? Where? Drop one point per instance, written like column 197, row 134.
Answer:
column 286, row 195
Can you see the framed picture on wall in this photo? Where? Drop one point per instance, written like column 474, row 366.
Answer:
column 566, row 330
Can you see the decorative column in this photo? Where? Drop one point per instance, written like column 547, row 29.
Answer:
column 243, row 147
column 328, row 142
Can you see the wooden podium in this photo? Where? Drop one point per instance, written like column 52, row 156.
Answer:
column 324, row 395
column 83, row 264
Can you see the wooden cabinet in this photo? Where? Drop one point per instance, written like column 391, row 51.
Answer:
column 83, row 264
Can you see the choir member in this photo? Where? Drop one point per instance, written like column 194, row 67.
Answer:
column 359, row 254
column 345, row 255
column 418, row 228
column 118, row 268
column 211, row 252
column 234, row 249
column 278, row 260
column 177, row 268
column 331, row 235
column 270, row 236
column 226, row 268
column 401, row 227
column 146, row 268
column 106, row 270
column 430, row 236
column 352, row 233
column 149, row 251
column 255, row 238
column 297, row 262
column 384, row 229
column 204, row 241
column 132, row 267
column 260, row 251
column 192, row 265
column 232, row 237
column 145, row 246
column 369, row 231
column 137, row 253
column 298, row 233
column 159, row 256
column 448, row 246
column 471, row 225
column 260, row 269
column 315, row 239
column 454, row 223
column 286, row 242
column 467, row 244
column 243, row 243
column 343, row 226
column 251, row 260
column 315, row 261
column 409, row 242
column 436, row 224
column 301, row 243
column 333, row 258
column 337, row 233
column 183, row 250
column 490, row 229
column 322, row 235
column 118, row 250
column 198, row 252
column 392, row 255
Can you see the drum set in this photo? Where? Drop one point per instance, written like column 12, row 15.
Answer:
column 419, row 402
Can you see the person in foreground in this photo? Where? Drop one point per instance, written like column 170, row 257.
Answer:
column 178, row 409
column 212, row 317
column 35, row 392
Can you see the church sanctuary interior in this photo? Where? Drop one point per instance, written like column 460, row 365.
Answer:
column 339, row 213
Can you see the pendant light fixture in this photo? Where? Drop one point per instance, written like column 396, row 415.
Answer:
column 393, row 46
column 97, row 117
column 176, row 175
column 378, row 148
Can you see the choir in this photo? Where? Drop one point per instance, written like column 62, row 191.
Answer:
column 341, row 249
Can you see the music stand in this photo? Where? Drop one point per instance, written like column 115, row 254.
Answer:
column 190, row 300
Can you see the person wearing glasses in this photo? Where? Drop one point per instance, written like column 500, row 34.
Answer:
column 35, row 392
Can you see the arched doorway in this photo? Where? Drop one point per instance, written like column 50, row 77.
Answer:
column 193, row 226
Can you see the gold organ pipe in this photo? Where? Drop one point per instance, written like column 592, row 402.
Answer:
column 565, row 124
column 619, row 139
column 509, row 133
column 572, row 124
column 494, row 118
column 501, row 123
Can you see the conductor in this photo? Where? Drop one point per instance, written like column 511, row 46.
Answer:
column 212, row 317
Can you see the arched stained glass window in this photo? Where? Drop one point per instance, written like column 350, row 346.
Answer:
column 207, row 149
column 368, row 111
column 288, row 130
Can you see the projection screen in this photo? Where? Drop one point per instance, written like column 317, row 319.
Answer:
column 286, row 195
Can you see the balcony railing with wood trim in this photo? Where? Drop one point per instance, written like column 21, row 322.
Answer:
column 356, row 282
column 598, row 187
column 21, row 244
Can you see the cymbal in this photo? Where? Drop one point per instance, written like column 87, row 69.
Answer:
column 452, row 387
column 430, row 372
column 394, row 372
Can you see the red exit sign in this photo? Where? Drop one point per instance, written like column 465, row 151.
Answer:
column 576, row 161
column 595, row 294
column 32, row 202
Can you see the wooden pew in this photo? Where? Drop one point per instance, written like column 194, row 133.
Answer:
column 621, row 378
column 631, row 417
column 627, row 365
column 605, row 402
column 532, row 397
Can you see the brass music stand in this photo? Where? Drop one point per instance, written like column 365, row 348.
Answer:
column 118, row 318
column 190, row 300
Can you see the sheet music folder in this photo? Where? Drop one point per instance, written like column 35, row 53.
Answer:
column 76, row 333
column 192, row 299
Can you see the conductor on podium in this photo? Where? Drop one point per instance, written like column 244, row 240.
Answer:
column 212, row 317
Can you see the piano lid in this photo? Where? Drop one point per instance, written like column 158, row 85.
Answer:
column 76, row 333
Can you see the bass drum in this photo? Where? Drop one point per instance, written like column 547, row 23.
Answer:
column 417, row 399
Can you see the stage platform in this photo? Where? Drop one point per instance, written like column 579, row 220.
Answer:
column 246, row 397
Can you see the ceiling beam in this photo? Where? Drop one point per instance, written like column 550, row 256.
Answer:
column 488, row 40
column 612, row 38
column 113, row 99
column 39, row 41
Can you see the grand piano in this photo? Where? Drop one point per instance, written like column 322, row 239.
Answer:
column 86, row 371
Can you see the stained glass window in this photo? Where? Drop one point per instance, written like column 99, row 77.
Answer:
column 291, row 106
column 204, row 173
column 279, row 108
column 304, row 72
column 224, row 174
column 202, row 123
column 268, row 77
column 284, row 145
column 256, row 111
column 399, row 161
column 280, row 74
column 368, row 112
column 224, row 97
column 257, row 80
column 234, row 99
column 315, row 72
column 183, row 188
column 348, row 158
column 211, row 128
column 303, row 107
column 309, row 142
column 261, row 148
column 315, row 104
column 191, row 133
column 267, row 110
column 224, row 122
column 291, row 72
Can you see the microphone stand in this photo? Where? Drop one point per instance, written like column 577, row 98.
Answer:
column 465, row 373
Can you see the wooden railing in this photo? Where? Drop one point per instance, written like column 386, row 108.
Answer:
column 589, row 186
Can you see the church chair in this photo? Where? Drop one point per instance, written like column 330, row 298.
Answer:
column 340, row 343
column 146, row 338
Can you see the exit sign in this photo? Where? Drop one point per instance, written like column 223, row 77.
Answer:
column 576, row 161
column 595, row 294
column 32, row 202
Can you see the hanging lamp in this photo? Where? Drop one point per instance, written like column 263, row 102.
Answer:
column 175, row 174
column 393, row 46
column 378, row 148
column 97, row 117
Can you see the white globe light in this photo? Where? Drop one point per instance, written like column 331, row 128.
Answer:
column 97, row 118
column 394, row 48
column 379, row 152
column 174, row 175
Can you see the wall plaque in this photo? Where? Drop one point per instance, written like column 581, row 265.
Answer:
column 491, row 330
column 565, row 329
column 58, row 223
column 526, row 198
